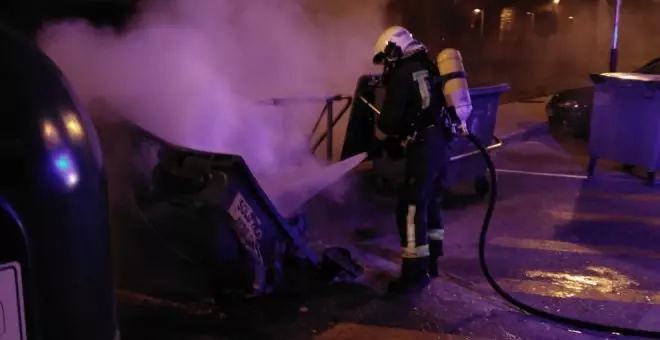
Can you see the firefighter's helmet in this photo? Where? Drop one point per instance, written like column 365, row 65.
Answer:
column 394, row 43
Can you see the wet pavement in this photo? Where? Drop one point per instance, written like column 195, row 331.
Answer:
column 559, row 242
column 581, row 248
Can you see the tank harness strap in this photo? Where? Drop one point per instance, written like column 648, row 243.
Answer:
column 453, row 75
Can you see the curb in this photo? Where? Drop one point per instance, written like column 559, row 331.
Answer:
column 525, row 134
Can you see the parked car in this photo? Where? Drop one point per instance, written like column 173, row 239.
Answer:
column 570, row 110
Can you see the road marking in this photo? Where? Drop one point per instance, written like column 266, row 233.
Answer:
column 575, row 216
column 351, row 331
column 632, row 197
column 563, row 291
column 551, row 245
column 609, row 177
column 543, row 174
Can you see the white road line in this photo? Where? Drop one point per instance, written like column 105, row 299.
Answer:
column 607, row 177
column 544, row 174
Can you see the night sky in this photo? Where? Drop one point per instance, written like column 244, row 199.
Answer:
column 27, row 16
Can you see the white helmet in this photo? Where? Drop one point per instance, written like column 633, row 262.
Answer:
column 394, row 43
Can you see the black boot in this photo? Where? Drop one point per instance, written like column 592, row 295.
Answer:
column 436, row 249
column 414, row 277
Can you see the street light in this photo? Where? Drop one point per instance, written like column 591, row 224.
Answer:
column 480, row 13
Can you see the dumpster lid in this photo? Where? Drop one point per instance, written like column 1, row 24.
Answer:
column 489, row 90
column 632, row 76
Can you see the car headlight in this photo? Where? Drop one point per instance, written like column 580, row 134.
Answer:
column 568, row 104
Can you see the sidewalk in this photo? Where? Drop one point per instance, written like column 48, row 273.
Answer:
column 521, row 120
column 449, row 310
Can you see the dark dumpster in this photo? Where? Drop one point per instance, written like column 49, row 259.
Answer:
column 250, row 245
column 466, row 164
column 55, row 266
column 625, row 123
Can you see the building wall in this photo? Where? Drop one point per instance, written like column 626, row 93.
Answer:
column 520, row 47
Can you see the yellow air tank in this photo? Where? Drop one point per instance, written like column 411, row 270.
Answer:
column 455, row 86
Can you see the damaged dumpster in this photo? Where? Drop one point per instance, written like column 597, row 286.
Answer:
column 625, row 123
column 253, row 246
column 466, row 163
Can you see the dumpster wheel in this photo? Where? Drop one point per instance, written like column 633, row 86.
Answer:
column 506, row 295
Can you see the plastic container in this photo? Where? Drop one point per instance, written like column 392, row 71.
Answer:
column 625, row 122
column 466, row 163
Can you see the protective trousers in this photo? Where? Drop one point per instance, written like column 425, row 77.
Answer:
column 419, row 217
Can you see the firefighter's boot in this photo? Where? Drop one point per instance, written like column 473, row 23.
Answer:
column 414, row 277
column 436, row 250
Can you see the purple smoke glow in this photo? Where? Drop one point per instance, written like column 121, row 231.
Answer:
column 192, row 72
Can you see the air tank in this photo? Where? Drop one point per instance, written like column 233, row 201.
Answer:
column 454, row 83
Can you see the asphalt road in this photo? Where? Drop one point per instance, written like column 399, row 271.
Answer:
column 581, row 248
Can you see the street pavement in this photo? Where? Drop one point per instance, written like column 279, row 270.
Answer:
column 562, row 243
column 583, row 248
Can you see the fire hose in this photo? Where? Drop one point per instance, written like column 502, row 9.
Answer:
column 492, row 198
column 506, row 295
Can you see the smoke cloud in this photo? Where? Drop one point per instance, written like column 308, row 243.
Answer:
column 192, row 72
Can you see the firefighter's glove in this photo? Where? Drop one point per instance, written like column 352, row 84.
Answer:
column 463, row 129
column 394, row 148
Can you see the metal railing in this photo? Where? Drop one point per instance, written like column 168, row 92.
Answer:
column 331, row 121
column 328, row 109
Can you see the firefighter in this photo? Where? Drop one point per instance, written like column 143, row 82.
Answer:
column 410, row 126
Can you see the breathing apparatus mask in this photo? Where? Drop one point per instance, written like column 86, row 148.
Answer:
column 388, row 58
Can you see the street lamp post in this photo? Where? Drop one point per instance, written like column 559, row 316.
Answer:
column 614, row 50
column 480, row 13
